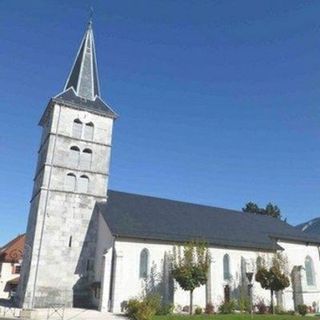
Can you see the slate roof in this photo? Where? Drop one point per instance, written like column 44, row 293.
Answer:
column 312, row 226
column 83, row 77
column 82, row 90
column 145, row 217
column 69, row 98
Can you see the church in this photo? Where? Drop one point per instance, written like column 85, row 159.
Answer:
column 89, row 246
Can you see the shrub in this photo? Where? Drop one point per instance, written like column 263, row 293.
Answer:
column 261, row 306
column 132, row 308
column 185, row 309
column 279, row 310
column 154, row 301
column 227, row 307
column 165, row 309
column 244, row 304
column 145, row 311
column 209, row 308
column 198, row 310
column 291, row 312
column 302, row 309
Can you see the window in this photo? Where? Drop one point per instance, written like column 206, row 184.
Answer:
column 83, row 184
column 308, row 265
column 86, row 158
column 90, row 265
column 226, row 267
column 144, row 263
column 97, row 292
column 70, row 182
column 17, row 269
column 70, row 241
column 77, row 129
column 88, row 131
column 74, row 156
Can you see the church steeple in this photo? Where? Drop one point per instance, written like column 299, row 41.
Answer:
column 83, row 77
column 82, row 90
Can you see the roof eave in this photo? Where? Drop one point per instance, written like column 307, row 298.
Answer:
column 110, row 114
column 212, row 244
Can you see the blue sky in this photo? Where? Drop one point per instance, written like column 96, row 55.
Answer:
column 219, row 100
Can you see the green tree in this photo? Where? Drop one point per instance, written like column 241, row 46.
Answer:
column 252, row 207
column 274, row 278
column 270, row 209
column 190, row 267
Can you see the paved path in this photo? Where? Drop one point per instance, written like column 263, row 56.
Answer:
column 69, row 314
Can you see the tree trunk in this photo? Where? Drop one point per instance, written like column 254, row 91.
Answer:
column 271, row 302
column 191, row 303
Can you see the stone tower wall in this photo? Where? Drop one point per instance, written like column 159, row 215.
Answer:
column 60, row 242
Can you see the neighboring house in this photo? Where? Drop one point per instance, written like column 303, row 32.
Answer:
column 85, row 243
column 10, row 265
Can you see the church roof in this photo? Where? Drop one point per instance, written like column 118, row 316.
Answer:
column 144, row 217
column 97, row 105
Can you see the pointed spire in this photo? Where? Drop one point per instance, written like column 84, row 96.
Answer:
column 83, row 77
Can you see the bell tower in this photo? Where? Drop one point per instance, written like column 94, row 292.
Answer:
column 71, row 175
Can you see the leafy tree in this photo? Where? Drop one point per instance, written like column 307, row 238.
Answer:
column 270, row 209
column 273, row 278
column 190, row 268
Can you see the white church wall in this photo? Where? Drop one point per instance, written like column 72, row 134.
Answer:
column 241, row 261
column 133, row 286
column 128, row 284
column 296, row 254
column 102, row 264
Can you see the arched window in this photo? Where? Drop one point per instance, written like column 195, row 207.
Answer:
column 226, row 267
column 88, row 131
column 86, row 158
column 77, row 129
column 144, row 263
column 70, row 182
column 308, row 265
column 74, row 156
column 83, row 184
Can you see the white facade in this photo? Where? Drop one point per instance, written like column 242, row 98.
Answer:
column 8, row 271
column 124, row 255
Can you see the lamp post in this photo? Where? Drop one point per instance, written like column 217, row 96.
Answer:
column 250, row 285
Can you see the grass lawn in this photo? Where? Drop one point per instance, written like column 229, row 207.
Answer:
column 230, row 317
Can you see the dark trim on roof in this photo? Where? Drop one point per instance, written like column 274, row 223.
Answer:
column 211, row 245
